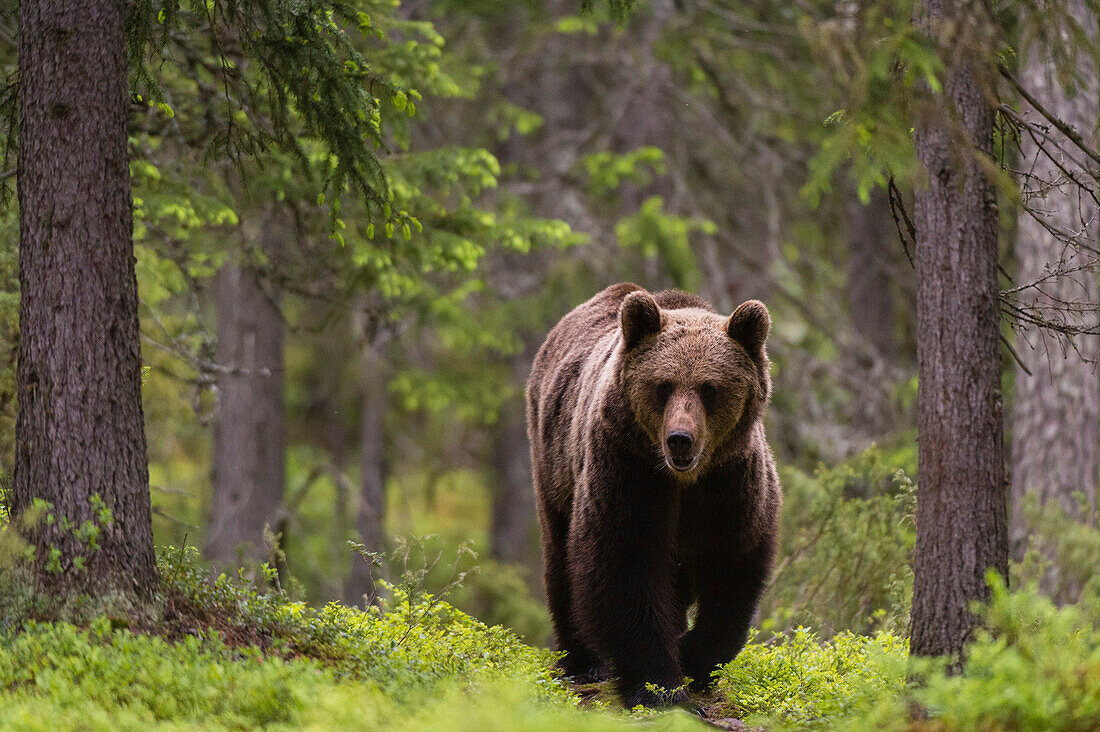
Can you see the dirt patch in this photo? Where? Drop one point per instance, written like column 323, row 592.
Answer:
column 711, row 709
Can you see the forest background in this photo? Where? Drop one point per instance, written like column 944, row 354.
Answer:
column 333, row 382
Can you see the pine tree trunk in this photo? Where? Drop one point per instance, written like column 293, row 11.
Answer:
column 80, row 430
column 1056, row 413
column 961, row 512
column 371, row 514
column 336, row 443
column 249, row 428
column 513, row 501
column 870, row 301
column 873, row 352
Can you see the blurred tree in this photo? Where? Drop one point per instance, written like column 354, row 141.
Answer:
column 511, row 530
column 872, row 253
column 249, row 462
column 410, row 268
column 961, row 519
column 373, row 470
column 871, row 234
column 1056, row 411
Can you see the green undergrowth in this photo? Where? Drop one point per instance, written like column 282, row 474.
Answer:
column 846, row 548
column 58, row 676
column 229, row 656
column 799, row 681
column 411, row 642
column 1031, row 667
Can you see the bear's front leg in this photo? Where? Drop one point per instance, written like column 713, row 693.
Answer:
column 622, row 554
column 729, row 589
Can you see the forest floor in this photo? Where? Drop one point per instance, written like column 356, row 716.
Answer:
column 713, row 709
column 230, row 656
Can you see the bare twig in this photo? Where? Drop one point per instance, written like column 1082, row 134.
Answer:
column 897, row 206
column 1065, row 129
column 1015, row 355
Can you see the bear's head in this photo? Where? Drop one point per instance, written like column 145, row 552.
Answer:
column 697, row 382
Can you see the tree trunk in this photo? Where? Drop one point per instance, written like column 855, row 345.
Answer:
column 873, row 351
column 80, row 430
column 513, row 500
column 1056, row 414
column 961, row 513
column 336, row 443
column 249, row 428
column 370, row 516
column 870, row 301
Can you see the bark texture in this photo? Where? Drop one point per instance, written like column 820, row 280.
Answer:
column 80, row 429
column 249, row 428
column 1056, row 412
column 371, row 514
column 961, row 511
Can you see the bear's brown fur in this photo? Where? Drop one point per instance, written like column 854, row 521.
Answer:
column 655, row 485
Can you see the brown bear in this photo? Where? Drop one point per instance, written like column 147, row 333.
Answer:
column 655, row 486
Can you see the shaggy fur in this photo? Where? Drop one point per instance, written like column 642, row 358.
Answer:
column 655, row 485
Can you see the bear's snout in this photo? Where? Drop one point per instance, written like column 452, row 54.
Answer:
column 680, row 444
column 679, row 450
column 683, row 425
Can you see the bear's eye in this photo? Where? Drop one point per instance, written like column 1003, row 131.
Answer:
column 664, row 391
column 709, row 394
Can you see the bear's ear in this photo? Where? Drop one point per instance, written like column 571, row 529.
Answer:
column 640, row 316
column 749, row 325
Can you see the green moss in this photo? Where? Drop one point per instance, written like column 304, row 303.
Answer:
column 1031, row 666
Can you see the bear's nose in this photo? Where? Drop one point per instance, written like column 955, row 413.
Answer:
column 679, row 443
